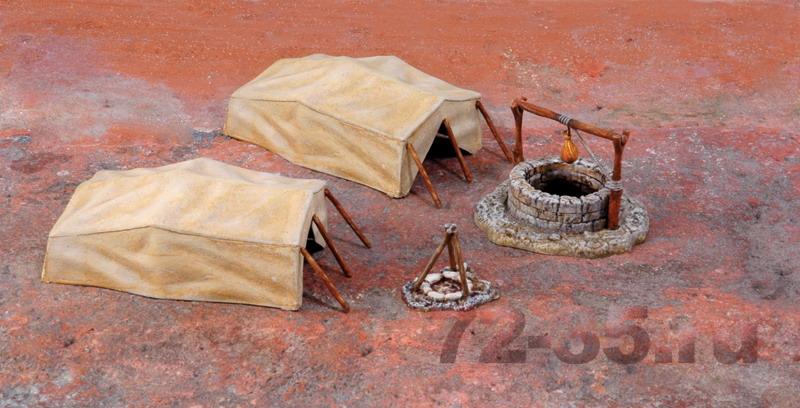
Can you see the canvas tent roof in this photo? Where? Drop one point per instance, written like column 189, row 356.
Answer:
column 352, row 117
column 196, row 230
column 200, row 197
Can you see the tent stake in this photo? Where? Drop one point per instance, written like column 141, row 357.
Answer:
column 424, row 175
column 496, row 135
column 332, row 247
column 347, row 218
column 452, row 137
column 325, row 279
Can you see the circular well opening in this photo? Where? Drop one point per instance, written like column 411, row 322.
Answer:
column 560, row 185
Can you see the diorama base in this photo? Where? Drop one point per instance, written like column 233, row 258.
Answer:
column 491, row 216
column 481, row 292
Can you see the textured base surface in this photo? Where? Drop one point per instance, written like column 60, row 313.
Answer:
column 708, row 89
column 492, row 216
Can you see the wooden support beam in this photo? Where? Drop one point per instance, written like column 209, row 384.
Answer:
column 519, row 154
column 325, row 279
column 462, row 271
column 452, row 258
column 331, row 245
column 347, row 218
column 573, row 123
column 454, row 143
column 432, row 261
column 490, row 123
column 424, row 174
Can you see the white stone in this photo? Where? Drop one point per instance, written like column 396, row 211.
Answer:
column 425, row 287
column 433, row 277
column 453, row 296
column 435, row 295
column 451, row 274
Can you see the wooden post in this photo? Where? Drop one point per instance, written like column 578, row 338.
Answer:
column 347, row 218
column 615, row 187
column 432, row 260
column 492, row 129
column 462, row 271
column 424, row 174
column 325, row 279
column 451, row 256
column 331, row 246
column 519, row 155
column 454, row 143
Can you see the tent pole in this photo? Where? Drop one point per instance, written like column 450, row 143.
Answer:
column 452, row 137
column 325, row 279
column 496, row 135
column 347, row 218
column 424, row 175
column 332, row 247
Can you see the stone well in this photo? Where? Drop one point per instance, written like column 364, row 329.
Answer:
column 552, row 207
column 557, row 196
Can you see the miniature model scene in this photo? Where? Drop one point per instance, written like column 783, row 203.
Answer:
column 455, row 287
column 196, row 230
column 369, row 120
column 378, row 204
column 566, row 205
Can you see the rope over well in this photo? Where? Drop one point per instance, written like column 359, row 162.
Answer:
column 564, row 120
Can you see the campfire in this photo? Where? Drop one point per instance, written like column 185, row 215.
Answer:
column 455, row 287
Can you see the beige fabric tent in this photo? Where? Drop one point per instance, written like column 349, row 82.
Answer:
column 196, row 230
column 353, row 117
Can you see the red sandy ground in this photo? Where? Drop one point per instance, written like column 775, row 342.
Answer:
column 709, row 90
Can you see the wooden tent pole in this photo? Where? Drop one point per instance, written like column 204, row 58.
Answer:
column 347, row 218
column 325, row 279
column 332, row 247
column 424, row 175
column 454, row 142
column 488, row 119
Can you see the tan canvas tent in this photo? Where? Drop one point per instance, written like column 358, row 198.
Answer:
column 196, row 230
column 355, row 117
